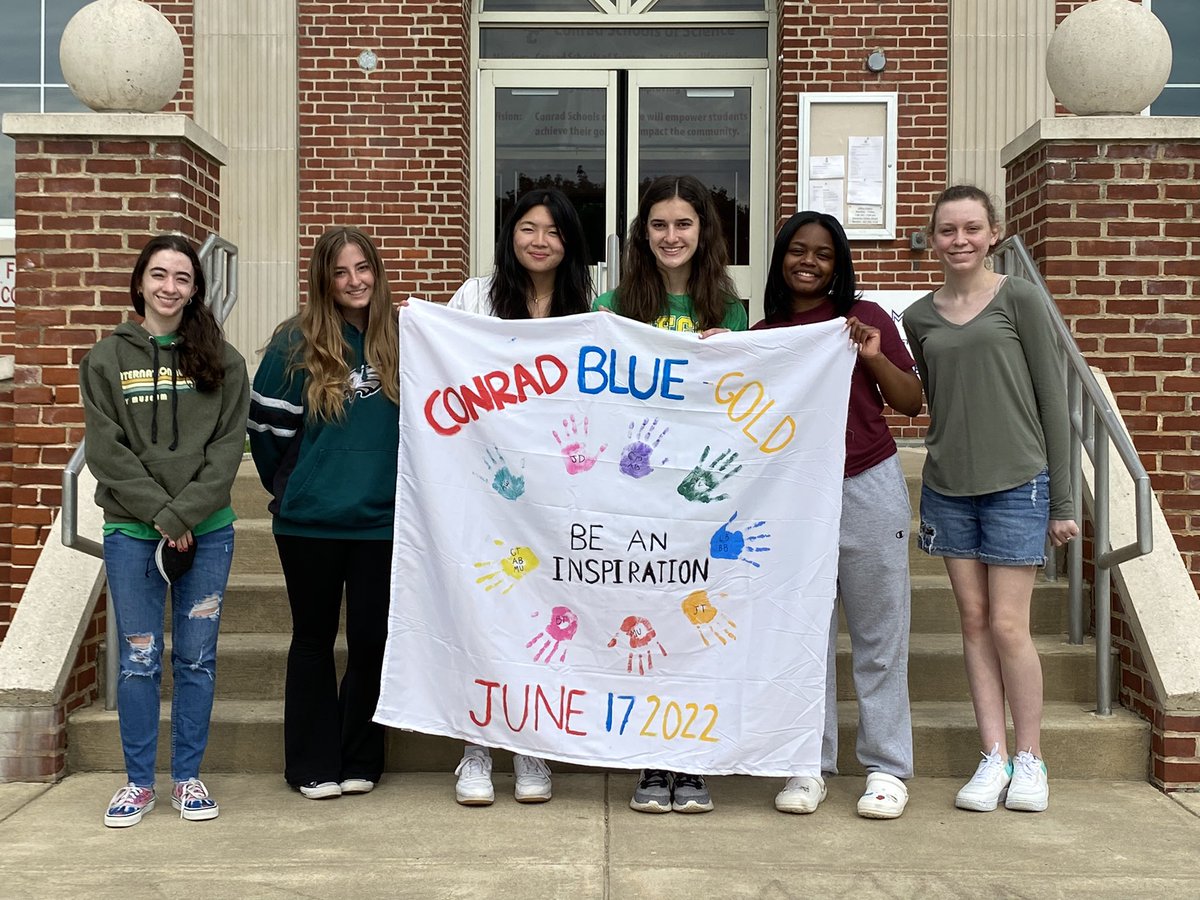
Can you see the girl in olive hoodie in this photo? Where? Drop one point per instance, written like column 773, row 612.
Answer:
column 324, row 424
column 165, row 410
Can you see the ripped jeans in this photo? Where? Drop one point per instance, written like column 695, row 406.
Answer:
column 138, row 594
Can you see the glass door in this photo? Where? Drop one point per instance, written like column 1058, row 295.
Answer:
column 711, row 125
column 548, row 129
column 602, row 136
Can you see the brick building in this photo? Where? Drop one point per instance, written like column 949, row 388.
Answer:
column 420, row 121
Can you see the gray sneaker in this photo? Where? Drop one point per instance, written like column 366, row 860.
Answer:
column 690, row 794
column 653, row 792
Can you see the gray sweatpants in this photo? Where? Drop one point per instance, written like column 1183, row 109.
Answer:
column 874, row 592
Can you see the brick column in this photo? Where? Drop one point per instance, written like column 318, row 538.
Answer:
column 90, row 190
column 389, row 150
column 1109, row 208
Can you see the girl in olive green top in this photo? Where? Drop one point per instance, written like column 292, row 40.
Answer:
column 674, row 276
column 996, row 481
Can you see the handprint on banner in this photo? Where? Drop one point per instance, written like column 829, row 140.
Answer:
column 574, row 451
column 698, row 485
column 635, row 458
column 636, row 634
column 500, row 477
column 563, row 625
column 701, row 612
column 726, row 544
column 505, row 572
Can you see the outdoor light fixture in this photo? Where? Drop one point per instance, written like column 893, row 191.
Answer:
column 367, row 61
column 877, row 61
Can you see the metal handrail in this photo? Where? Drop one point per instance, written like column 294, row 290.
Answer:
column 218, row 259
column 1094, row 424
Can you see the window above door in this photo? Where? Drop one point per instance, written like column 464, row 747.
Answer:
column 621, row 7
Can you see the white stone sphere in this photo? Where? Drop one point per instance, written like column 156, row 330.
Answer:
column 121, row 56
column 1108, row 58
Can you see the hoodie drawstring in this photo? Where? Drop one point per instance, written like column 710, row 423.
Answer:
column 154, row 394
column 174, row 348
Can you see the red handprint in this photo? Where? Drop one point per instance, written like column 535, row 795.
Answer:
column 639, row 634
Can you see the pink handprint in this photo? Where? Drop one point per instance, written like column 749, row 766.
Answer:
column 639, row 634
column 575, row 454
column 563, row 625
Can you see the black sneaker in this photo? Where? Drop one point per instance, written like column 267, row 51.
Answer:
column 653, row 792
column 173, row 564
column 690, row 794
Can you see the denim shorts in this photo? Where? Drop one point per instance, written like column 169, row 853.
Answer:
column 1005, row 528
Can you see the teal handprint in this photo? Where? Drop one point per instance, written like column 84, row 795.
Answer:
column 735, row 544
column 500, row 477
column 698, row 485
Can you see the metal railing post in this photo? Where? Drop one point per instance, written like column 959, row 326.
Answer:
column 1102, row 587
column 1075, row 548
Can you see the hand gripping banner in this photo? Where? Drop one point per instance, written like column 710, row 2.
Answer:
column 616, row 545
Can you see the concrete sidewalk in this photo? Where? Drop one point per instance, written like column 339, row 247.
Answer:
column 409, row 839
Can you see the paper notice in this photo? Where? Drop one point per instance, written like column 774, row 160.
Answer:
column 825, row 196
column 827, row 167
column 866, row 170
column 864, row 214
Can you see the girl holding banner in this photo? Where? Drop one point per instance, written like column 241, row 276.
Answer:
column 541, row 271
column 996, row 481
column 323, row 434
column 165, row 409
column 812, row 280
column 674, row 276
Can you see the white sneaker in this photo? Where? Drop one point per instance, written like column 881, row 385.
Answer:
column 1029, row 790
column 885, row 797
column 474, row 773
column 321, row 790
column 533, row 779
column 357, row 786
column 801, row 795
column 988, row 785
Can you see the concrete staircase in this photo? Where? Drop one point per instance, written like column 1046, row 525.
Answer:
column 247, row 723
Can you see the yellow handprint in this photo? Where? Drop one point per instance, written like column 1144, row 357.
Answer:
column 701, row 612
column 505, row 572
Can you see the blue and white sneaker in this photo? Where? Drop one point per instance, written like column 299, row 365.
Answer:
column 128, row 805
column 191, row 799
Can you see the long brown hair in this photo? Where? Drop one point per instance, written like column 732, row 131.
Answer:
column 201, row 344
column 324, row 350
column 642, row 293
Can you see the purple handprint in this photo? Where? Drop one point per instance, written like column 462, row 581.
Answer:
column 563, row 625
column 635, row 458
column 575, row 454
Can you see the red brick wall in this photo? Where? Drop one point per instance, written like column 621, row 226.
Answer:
column 823, row 47
column 180, row 14
column 389, row 150
column 84, row 208
column 1113, row 227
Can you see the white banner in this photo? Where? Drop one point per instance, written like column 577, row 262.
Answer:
column 616, row 545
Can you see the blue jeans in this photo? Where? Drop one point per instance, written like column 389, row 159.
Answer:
column 1005, row 528
column 137, row 596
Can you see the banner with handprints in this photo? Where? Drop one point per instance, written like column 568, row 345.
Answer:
column 616, row 545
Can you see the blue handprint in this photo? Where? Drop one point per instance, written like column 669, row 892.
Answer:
column 635, row 458
column 500, row 477
column 726, row 544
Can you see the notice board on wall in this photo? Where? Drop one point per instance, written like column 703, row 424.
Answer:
column 847, row 160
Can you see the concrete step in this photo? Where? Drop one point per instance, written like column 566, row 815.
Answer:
column 254, row 549
column 934, row 610
column 247, row 736
column 252, row 667
column 250, row 498
column 936, row 671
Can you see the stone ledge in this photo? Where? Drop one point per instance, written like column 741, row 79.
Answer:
column 1089, row 129
column 91, row 125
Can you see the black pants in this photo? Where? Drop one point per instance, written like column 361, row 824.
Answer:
column 328, row 734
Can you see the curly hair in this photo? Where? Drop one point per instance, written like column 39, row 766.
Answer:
column 321, row 350
column 642, row 294
column 511, row 284
column 843, row 288
column 201, row 343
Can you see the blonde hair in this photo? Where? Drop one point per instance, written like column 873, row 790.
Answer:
column 323, row 351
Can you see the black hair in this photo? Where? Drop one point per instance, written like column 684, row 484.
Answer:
column 843, row 287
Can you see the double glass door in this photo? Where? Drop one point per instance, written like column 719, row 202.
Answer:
column 602, row 136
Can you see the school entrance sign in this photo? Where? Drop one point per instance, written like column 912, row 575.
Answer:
column 616, row 545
